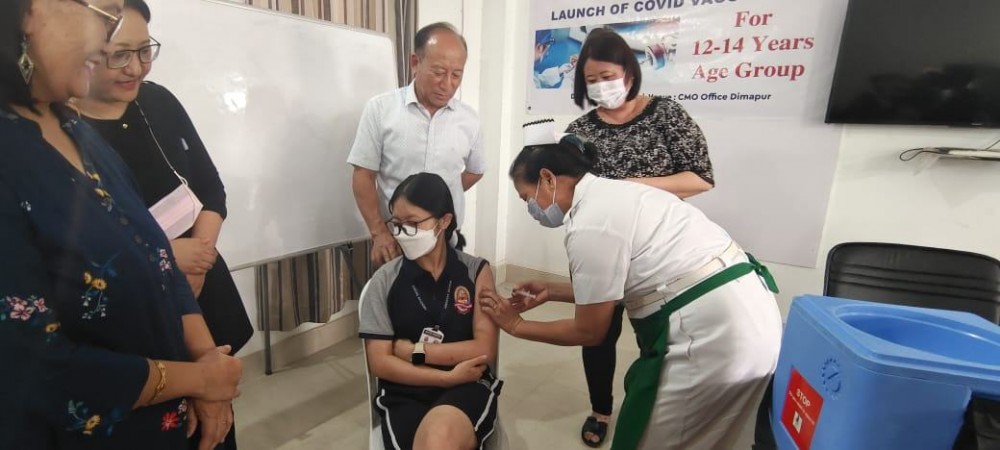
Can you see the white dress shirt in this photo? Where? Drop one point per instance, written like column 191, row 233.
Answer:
column 397, row 137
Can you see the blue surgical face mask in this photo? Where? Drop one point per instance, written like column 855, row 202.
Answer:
column 551, row 217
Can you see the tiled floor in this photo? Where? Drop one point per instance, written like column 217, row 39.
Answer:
column 321, row 402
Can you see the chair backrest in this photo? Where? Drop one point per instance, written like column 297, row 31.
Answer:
column 915, row 276
column 370, row 380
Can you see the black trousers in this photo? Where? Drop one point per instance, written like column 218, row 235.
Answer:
column 223, row 309
column 599, row 366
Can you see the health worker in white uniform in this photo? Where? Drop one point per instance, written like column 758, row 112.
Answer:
column 703, row 310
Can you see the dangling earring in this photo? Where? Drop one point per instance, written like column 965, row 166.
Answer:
column 24, row 63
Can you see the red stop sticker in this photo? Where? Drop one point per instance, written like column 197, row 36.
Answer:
column 801, row 412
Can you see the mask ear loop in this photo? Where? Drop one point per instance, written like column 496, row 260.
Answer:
column 538, row 187
column 555, row 185
column 439, row 232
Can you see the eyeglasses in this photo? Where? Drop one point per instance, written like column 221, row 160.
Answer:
column 408, row 228
column 114, row 23
column 122, row 58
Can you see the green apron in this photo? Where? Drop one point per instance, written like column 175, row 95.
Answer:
column 642, row 382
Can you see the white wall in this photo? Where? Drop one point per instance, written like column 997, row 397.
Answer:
column 953, row 204
column 495, row 112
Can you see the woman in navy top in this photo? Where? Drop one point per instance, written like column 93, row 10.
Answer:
column 97, row 327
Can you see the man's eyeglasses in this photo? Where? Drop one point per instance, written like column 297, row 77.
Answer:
column 122, row 58
column 397, row 227
column 113, row 22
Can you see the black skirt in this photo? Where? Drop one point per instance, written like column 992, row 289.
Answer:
column 223, row 308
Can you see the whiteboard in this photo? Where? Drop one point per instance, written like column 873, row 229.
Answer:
column 277, row 100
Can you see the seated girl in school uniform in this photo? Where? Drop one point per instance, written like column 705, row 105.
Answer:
column 427, row 341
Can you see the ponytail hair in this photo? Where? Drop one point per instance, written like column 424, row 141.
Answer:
column 572, row 156
column 429, row 192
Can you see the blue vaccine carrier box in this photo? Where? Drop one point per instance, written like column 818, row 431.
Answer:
column 860, row 375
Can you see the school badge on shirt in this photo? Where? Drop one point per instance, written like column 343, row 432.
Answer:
column 463, row 301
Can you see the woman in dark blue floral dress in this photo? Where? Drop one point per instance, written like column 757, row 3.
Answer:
column 101, row 341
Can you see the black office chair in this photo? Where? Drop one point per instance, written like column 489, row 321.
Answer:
column 903, row 275
column 915, row 276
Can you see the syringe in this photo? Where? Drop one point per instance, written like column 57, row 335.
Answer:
column 524, row 293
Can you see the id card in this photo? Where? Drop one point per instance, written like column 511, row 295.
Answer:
column 432, row 335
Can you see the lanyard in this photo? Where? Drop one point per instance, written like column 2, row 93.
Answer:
column 157, row 143
column 444, row 311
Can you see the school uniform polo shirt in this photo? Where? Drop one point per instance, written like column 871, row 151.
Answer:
column 402, row 299
column 397, row 137
column 624, row 240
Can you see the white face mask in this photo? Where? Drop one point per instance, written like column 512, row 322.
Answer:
column 420, row 244
column 177, row 212
column 608, row 94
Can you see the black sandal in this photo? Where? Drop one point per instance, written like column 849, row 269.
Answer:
column 595, row 427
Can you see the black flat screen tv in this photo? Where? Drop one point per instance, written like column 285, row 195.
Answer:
column 919, row 62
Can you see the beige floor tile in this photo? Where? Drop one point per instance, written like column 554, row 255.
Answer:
column 347, row 431
column 321, row 390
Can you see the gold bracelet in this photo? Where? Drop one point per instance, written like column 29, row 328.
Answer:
column 162, row 384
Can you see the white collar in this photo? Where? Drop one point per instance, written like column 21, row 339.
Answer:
column 411, row 98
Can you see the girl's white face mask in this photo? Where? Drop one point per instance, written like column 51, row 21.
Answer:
column 177, row 212
column 420, row 244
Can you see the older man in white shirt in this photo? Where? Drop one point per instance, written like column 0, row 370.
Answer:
column 417, row 128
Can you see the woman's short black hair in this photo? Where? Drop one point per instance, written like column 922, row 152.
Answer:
column 429, row 192
column 13, row 89
column 573, row 156
column 141, row 7
column 603, row 44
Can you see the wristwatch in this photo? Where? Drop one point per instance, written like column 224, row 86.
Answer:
column 418, row 357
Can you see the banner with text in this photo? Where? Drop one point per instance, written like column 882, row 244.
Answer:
column 722, row 58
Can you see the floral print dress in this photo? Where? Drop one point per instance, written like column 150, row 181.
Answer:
column 88, row 292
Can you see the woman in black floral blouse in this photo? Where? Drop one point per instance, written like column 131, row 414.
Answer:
column 646, row 139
